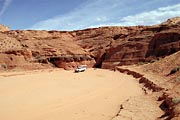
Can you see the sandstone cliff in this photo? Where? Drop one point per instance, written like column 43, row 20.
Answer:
column 103, row 47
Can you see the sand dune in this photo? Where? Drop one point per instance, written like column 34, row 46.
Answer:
column 64, row 95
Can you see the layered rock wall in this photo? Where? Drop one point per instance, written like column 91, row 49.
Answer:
column 105, row 47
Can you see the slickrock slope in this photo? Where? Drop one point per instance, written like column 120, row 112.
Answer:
column 3, row 28
column 165, row 73
column 102, row 47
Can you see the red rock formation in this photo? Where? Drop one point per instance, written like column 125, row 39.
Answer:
column 144, row 45
column 105, row 46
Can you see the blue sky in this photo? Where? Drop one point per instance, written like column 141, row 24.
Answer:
column 81, row 14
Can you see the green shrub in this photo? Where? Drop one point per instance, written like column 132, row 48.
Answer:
column 3, row 65
column 154, row 60
column 176, row 100
column 174, row 70
column 143, row 62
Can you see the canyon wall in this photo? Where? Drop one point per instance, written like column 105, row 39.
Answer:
column 103, row 47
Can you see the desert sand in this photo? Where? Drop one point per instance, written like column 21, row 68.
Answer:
column 64, row 95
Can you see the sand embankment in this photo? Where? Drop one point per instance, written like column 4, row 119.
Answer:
column 64, row 95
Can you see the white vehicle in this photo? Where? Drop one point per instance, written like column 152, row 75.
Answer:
column 81, row 68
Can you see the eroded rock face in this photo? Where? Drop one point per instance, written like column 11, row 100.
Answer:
column 42, row 48
column 164, row 43
column 105, row 47
column 144, row 45
column 69, row 62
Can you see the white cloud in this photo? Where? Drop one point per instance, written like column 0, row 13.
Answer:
column 101, row 19
column 96, row 13
column 5, row 6
column 152, row 17
column 87, row 14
